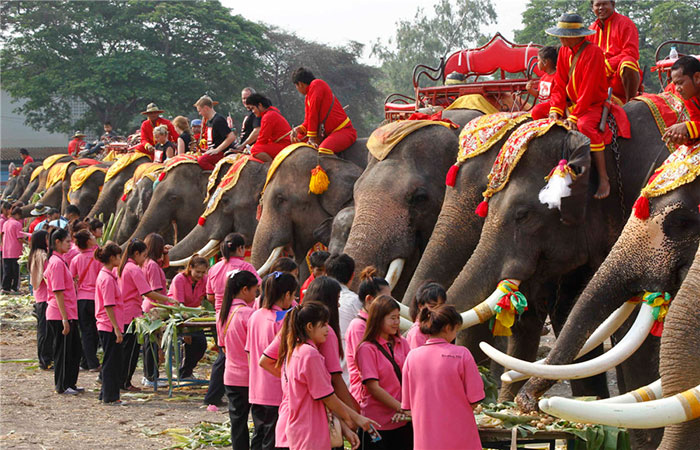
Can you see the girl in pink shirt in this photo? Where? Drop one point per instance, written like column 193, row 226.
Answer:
column 429, row 295
column 84, row 268
column 37, row 261
column 109, row 313
column 232, row 329
column 12, row 242
column 62, row 315
column 380, row 357
column 370, row 288
column 441, row 386
column 265, row 390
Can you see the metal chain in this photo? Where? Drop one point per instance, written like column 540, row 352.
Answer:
column 612, row 123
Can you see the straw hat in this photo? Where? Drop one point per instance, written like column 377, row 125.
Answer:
column 78, row 134
column 152, row 108
column 40, row 210
column 570, row 25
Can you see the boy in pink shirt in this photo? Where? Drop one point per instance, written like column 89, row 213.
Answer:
column 84, row 268
column 12, row 242
column 429, row 295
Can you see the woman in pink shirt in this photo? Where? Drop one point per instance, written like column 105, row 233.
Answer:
column 308, row 382
column 236, row 309
column 84, row 268
column 12, row 242
column 109, row 312
column 62, row 315
column 37, row 261
column 458, row 390
column 265, row 391
column 380, row 357
column 232, row 252
column 370, row 288
column 429, row 295
column 188, row 288
column 74, row 227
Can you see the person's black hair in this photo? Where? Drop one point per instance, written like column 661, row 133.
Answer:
column 155, row 246
column 234, row 284
column 341, row 267
column 107, row 122
column 82, row 238
column 109, row 249
column 6, row 205
column 433, row 321
column 318, row 258
column 95, row 224
column 689, row 65
column 284, row 264
column 59, row 234
column 370, row 284
column 39, row 242
column 134, row 245
column 428, row 292
column 326, row 290
column 275, row 286
column 231, row 243
column 549, row 53
column 16, row 211
column 52, row 211
column 302, row 75
column 258, row 99
column 23, row 151
column 72, row 209
column 293, row 333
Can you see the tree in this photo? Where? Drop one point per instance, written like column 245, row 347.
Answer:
column 118, row 56
column 424, row 40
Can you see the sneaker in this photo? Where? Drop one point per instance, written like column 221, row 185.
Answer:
column 69, row 391
column 79, row 390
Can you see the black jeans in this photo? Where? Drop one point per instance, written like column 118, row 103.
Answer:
column 398, row 439
column 150, row 358
column 193, row 353
column 111, row 367
column 88, row 333
column 10, row 274
column 44, row 338
column 238, row 409
column 264, row 422
column 66, row 354
column 216, row 381
column 130, row 357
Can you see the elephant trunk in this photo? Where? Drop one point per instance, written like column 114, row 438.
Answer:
column 29, row 191
column 106, row 202
column 269, row 236
column 193, row 242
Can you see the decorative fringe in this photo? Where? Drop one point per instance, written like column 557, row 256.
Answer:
column 124, row 197
column 512, row 302
column 641, row 208
column 201, row 221
column 483, row 209
column 319, row 181
column 558, row 185
column 451, row 177
column 659, row 302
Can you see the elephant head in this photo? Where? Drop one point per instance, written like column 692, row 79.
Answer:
column 85, row 196
column 113, row 189
column 21, row 181
column 54, row 195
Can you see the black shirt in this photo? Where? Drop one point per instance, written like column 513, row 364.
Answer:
column 217, row 130
column 187, row 137
column 250, row 122
column 160, row 154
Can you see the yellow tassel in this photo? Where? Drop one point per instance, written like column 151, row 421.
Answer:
column 319, row 181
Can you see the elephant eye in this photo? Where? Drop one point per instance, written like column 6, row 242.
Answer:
column 521, row 214
column 420, row 195
column 681, row 223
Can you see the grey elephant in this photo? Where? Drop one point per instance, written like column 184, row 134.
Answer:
column 85, row 195
column 54, row 195
column 17, row 184
column 120, row 172
column 132, row 208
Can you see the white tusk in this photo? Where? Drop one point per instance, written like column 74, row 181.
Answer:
column 652, row 414
column 404, row 311
column 405, row 324
column 180, row 262
column 484, row 310
column 628, row 345
column 204, row 252
column 643, row 394
column 603, row 332
column 273, row 256
column 394, row 272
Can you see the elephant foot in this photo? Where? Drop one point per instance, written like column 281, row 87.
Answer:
column 530, row 394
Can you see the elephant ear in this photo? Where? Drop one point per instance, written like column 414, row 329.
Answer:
column 577, row 150
column 342, row 175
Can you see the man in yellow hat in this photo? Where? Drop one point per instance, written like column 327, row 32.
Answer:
column 154, row 120
column 77, row 144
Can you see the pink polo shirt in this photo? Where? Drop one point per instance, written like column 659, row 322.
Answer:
column 353, row 336
column 182, row 290
column 218, row 274
column 59, row 278
column 156, row 279
column 41, row 294
column 443, row 377
column 308, row 383
column 72, row 253
column 415, row 337
column 233, row 339
column 374, row 365
column 107, row 293
column 263, row 387
column 11, row 232
column 133, row 284
column 85, row 268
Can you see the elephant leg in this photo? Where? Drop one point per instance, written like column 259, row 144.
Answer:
column 522, row 345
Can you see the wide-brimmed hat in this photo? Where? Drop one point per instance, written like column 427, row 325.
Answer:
column 79, row 134
column 40, row 209
column 570, row 25
column 152, row 108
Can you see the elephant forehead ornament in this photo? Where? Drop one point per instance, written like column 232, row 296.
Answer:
column 227, row 183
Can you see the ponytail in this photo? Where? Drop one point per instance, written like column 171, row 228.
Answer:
column 293, row 331
column 434, row 320
column 370, row 284
column 231, row 243
column 134, row 245
column 275, row 286
column 109, row 249
column 234, row 284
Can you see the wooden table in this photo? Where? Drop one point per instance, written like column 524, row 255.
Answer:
column 500, row 438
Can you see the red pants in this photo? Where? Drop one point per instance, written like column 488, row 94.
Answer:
column 587, row 124
column 207, row 162
column 615, row 80
column 339, row 140
column 540, row 111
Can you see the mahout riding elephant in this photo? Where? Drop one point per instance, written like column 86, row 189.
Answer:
column 20, row 182
column 113, row 187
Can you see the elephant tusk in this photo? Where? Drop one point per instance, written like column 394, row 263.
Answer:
column 652, row 414
column 273, row 256
column 628, row 345
column 180, row 262
column 205, row 252
column 394, row 272
column 484, row 310
column 405, row 324
column 404, row 311
column 646, row 393
column 603, row 332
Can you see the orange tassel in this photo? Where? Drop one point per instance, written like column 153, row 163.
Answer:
column 201, row 221
column 318, row 184
column 451, row 177
column 641, row 208
column 483, row 209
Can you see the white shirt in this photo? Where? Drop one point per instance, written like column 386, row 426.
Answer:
column 350, row 305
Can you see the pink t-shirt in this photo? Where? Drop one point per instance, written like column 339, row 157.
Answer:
column 219, row 273
column 233, row 340
column 353, row 337
column 72, row 253
column 59, row 278
column 133, row 285
column 107, row 293
column 440, row 376
column 374, row 365
column 41, row 294
column 11, row 232
column 181, row 289
column 156, row 279
column 85, row 268
column 308, row 383
column 415, row 337
column 263, row 387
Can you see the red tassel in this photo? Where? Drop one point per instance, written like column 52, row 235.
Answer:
column 641, row 208
column 161, row 177
column 483, row 209
column 124, row 197
column 201, row 221
column 258, row 212
column 657, row 329
column 451, row 177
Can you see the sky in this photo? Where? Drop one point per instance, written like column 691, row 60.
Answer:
column 338, row 22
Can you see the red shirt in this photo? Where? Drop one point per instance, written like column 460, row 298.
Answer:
column 587, row 85
column 545, row 87
column 147, row 131
column 35, row 222
column 618, row 38
column 319, row 98
column 74, row 146
column 274, row 133
column 305, row 286
column 28, row 159
column 693, row 106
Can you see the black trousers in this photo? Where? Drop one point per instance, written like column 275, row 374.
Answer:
column 130, row 357
column 264, row 422
column 398, row 439
column 10, row 274
column 111, row 367
column 215, row 392
column 193, row 353
column 150, row 358
column 238, row 409
column 44, row 338
column 66, row 354
column 88, row 333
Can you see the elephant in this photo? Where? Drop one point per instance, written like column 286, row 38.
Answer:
column 398, row 199
column 86, row 195
column 113, row 189
column 38, row 185
column 340, row 230
column 54, row 196
column 132, row 209
column 9, row 188
column 20, row 182
column 291, row 216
